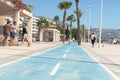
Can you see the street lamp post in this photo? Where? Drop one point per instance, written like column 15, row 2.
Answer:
column 84, row 33
column 85, row 20
column 100, row 34
column 89, row 23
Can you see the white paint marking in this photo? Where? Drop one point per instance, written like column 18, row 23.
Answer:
column 64, row 55
column 69, row 47
column 113, row 75
column 28, row 56
column 67, row 50
column 55, row 69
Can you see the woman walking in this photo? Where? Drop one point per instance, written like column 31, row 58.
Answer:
column 12, row 34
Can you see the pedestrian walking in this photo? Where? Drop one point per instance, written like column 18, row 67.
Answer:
column 93, row 38
column 25, row 35
column 13, row 33
column 6, row 33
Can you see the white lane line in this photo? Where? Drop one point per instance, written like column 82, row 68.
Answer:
column 64, row 55
column 52, row 73
column 28, row 56
column 67, row 50
column 113, row 75
column 69, row 47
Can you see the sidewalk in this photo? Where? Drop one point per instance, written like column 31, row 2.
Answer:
column 108, row 55
column 11, row 53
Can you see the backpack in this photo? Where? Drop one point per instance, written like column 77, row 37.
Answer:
column 93, row 38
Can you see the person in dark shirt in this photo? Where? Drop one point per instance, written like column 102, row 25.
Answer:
column 24, row 30
column 25, row 36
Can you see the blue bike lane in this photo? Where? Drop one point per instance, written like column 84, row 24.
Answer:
column 67, row 62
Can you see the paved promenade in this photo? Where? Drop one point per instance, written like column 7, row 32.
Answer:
column 108, row 55
column 11, row 53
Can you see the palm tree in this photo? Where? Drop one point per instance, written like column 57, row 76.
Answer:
column 80, row 13
column 42, row 22
column 79, row 31
column 71, row 18
column 78, row 21
column 56, row 19
column 67, row 33
column 74, row 33
column 64, row 6
column 30, row 7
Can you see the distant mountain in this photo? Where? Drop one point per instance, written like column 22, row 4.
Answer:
column 107, row 33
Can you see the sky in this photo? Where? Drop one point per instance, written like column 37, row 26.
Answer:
column 110, row 18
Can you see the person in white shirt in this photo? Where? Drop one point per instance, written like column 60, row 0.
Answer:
column 93, row 38
column 13, row 33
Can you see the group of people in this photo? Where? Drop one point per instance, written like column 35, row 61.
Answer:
column 11, row 31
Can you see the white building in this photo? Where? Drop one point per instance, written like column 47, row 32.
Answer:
column 49, row 33
column 35, row 28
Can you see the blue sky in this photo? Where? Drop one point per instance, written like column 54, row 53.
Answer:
column 111, row 11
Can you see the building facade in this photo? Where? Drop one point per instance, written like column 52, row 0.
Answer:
column 13, row 11
column 16, row 9
column 47, row 33
column 35, row 27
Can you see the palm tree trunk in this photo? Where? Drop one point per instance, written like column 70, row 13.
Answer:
column 64, row 19
column 39, row 34
column 70, row 30
column 78, row 23
column 83, row 33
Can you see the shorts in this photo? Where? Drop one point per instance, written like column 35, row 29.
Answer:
column 25, row 35
column 93, row 41
column 12, row 34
